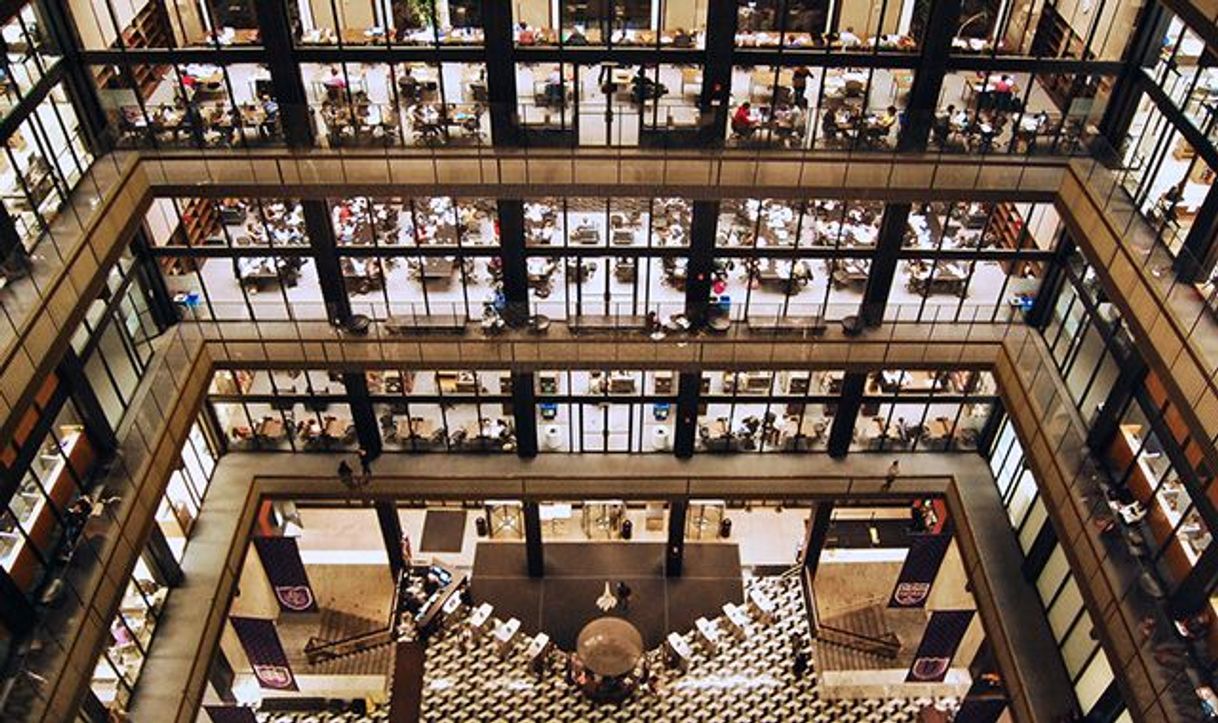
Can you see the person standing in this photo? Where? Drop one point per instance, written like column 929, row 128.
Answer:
column 894, row 469
column 346, row 475
column 365, row 464
column 623, row 595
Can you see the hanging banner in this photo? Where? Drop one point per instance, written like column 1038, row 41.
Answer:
column 286, row 572
column 944, row 631
column 230, row 714
column 922, row 564
column 980, row 710
column 260, row 640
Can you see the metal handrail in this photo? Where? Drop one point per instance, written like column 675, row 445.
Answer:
column 883, row 647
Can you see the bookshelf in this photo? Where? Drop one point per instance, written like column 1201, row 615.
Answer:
column 1006, row 232
column 148, row 29
column 1055, row 38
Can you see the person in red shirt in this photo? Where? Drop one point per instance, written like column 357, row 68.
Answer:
column 742, row 121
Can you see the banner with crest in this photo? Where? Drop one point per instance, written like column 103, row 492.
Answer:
column 922, row 564
column 286, row 571
column 260, row 640
column 942, row 637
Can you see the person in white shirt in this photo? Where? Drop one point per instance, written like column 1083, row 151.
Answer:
column 849, row 39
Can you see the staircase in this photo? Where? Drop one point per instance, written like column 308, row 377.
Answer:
column 857, row 640
column 348, row 644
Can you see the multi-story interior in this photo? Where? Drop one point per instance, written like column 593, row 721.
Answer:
column 746, row 360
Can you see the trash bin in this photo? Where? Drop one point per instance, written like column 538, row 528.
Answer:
column 358, row 324
column 627, row 529
column 725, row 528
column 480, row 526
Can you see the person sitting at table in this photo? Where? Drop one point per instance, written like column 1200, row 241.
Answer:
column 848, row 39
column 408, row 85
column 789, row 123
column 335, row 84
column 885, row 124
column 743, row 122
column 829, row 131
column 577, row 36
column 361, row 106
column 525, row 35
column 682, row 39
column 941, row 126
column 1031, row 128
column 271, row 109
column 1169, row 202
column 643, row 88
column 799, row 85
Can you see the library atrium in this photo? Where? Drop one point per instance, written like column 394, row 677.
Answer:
column 840, row 361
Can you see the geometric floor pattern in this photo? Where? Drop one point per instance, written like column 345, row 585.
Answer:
column 745, row 682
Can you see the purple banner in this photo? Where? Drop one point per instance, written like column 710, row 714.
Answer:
column 260, row 640
column 230, row 714
column 944, row 631
column 286, row 571
column 980, row 710
column 922, row 564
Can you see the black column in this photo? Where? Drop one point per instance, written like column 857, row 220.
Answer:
column 884, row 264
column 1107, row 422
column 14, row 259
column 989, row 430
column 674, row 553
column 62, row 35
column 367, row 427
column 152, row 283
column 501, row 72
column 1055, row 276
column 1143, row 51
column 928, row 81
column 717, row 73
column 162, row 556
column 1192, row 263
column 818, row 533
column 10, row 239
column 16, row 612
column 533, row 554
column 524, row 414
column 1193, row 594
column 701, row 260
column 515, row 270
column 325, row 253
column 844, row 419
column 276, row 34
column 72, row 373
column 221, row 676
column 391, row 534
column 689, row 390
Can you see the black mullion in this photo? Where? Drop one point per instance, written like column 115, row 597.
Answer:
column 80, row 167
column 21, row 181
column 396, row 95
column 31, row 43
column 40, row 142
column 232, row 108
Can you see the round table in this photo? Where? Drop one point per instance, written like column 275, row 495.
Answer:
column 608, row 663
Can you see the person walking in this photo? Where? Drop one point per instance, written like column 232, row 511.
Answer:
column 346, row 475
column 623, row 595
column 365, row 465
column 894, row 469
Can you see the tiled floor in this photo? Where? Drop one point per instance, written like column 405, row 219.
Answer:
column 747, row 680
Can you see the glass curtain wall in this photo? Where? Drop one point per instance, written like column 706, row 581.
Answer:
column 767, row 411
column 117, row 670
column 610, row 410
column 1049, row 570
column 443, row 410
column 289, row 410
